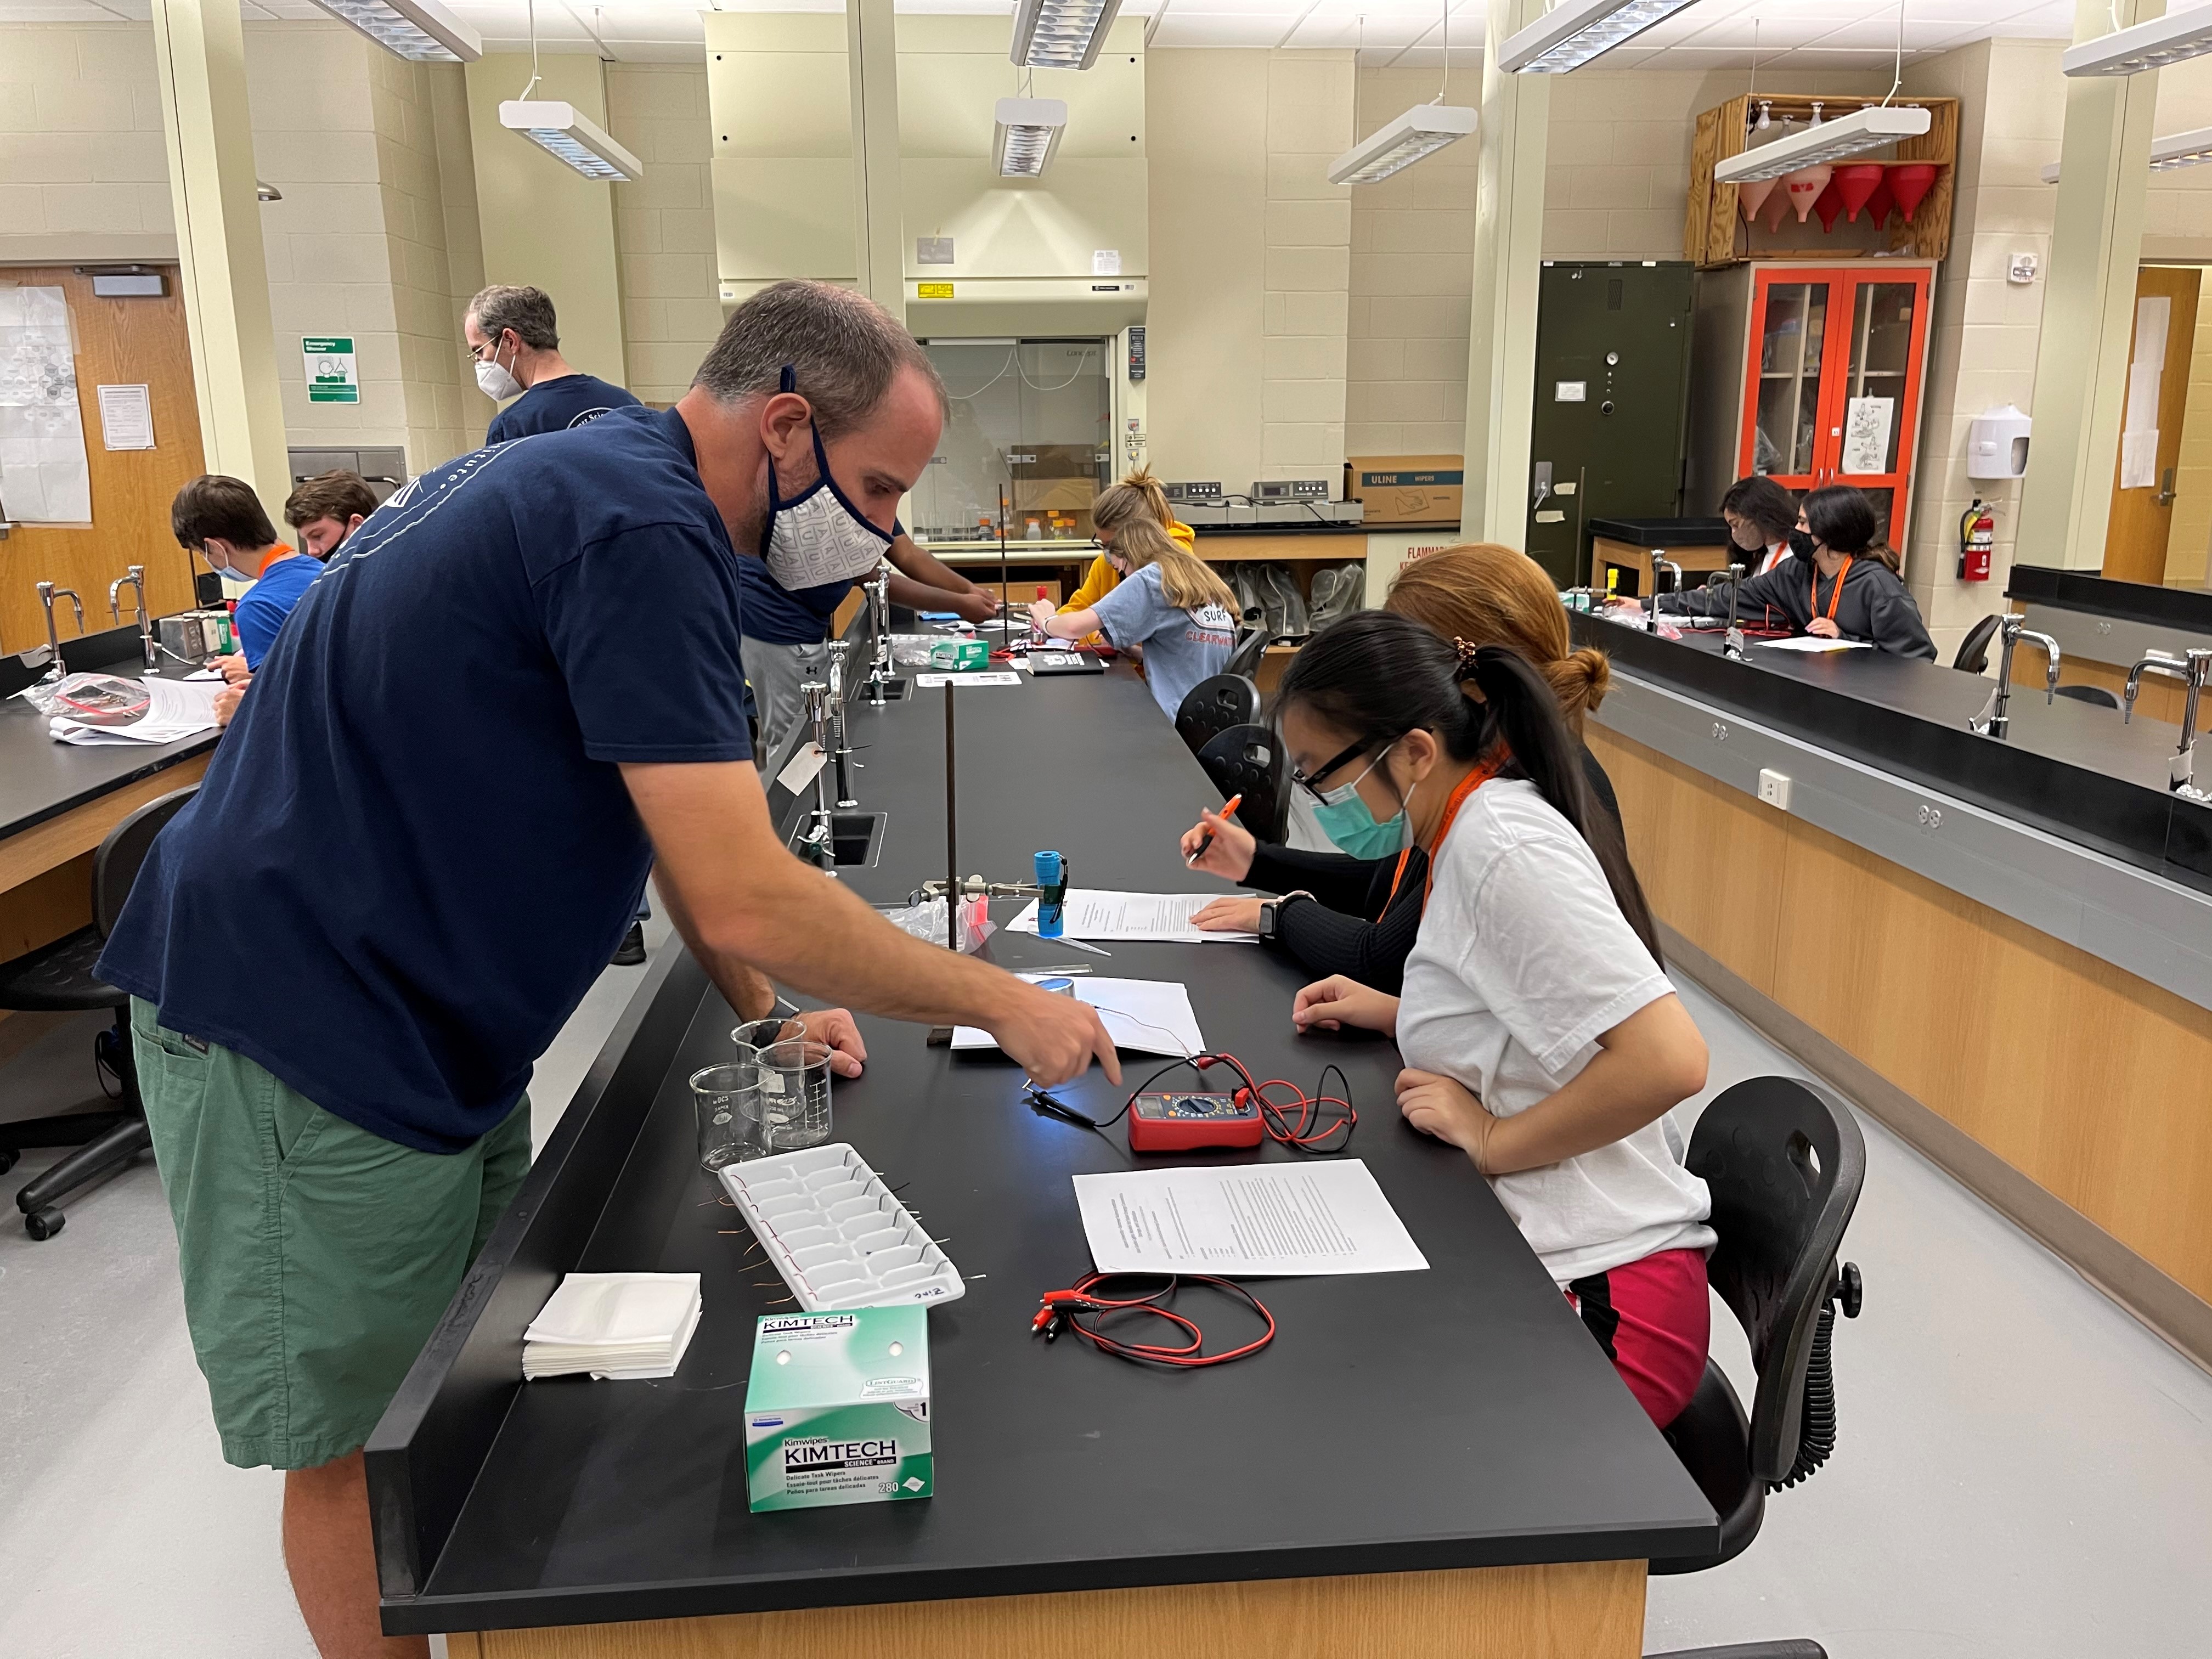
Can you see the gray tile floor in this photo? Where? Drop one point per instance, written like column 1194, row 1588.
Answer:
column 2023, row 1471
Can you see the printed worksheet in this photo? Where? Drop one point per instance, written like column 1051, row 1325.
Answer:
column 1277, row 1219
column 1093, row 913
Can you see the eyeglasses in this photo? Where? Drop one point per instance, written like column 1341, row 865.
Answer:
column 1311, row 782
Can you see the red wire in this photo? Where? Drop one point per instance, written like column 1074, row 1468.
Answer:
column 1066, row 1306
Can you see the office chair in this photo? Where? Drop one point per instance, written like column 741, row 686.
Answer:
column 1251, row 644
column 1247, row 761
column 1973, row 652
column 2091, row 693
column 1785, row 1163
column 58, row 978
column 1215, row 705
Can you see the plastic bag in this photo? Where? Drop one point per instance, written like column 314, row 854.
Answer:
column 1337, row 591
column 926, row 922
column 89, row 699
column 1273, row 591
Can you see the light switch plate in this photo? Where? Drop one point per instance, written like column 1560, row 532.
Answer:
column 1774, row 788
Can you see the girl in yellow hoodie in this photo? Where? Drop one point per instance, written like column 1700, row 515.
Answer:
column 1139, row 497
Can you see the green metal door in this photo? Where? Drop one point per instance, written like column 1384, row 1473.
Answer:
column 1612, row 403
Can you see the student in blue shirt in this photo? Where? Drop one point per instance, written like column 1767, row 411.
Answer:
column 405, row 868
column 1169, row 601
column 786, row 633
column 516, row 343
column 221, row 519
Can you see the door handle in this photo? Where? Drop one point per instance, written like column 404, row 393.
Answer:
column 2166, row 491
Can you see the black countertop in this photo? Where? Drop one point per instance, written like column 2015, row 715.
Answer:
column 41, row 779
column 1662, row 532
column 2071, row 769
column 2078, row 589
column 1459, row 1417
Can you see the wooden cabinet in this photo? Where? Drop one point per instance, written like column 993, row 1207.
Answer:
column 1812, row 375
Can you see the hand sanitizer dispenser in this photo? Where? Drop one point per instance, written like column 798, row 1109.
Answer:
column 1996, row 444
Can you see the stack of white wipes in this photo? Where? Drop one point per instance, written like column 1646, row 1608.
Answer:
column 613, row 1325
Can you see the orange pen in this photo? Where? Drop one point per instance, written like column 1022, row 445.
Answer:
column 1228, row 809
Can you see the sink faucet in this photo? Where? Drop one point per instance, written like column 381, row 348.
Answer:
column 47, row 594
column 1659, row 564
column 2194, row 669
column 135, row 577
column 1732, row 641
column 1993, row 721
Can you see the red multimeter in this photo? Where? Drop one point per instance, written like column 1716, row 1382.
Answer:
column 1178, row 1121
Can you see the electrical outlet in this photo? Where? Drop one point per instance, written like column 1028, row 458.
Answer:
column 1774, row 788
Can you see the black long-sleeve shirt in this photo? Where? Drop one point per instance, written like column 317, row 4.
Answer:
column 1356, row 926
column 1873, row 605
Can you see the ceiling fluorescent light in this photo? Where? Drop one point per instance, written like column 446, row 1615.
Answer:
column 566, row 132
column 1421, row 131
column 422, row 31
column 1029, row 130
column 1831, row 141
column 1564, row 39
column 1061, row 33
column 2183, row 150
column 2149, row 46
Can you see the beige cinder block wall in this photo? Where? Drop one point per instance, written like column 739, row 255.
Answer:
column 665, row 224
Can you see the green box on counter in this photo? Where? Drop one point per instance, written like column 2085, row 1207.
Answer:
column 959, row 655
column 837, row 1408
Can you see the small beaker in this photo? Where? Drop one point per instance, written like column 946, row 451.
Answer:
column 756, row 1034
column 795, row 1094
column 726, row 1101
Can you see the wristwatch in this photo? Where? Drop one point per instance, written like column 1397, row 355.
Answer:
column 1270, row 911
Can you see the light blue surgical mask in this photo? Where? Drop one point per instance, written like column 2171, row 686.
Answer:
column 1345, row 819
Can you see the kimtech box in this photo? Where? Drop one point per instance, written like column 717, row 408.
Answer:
column 837, row 1408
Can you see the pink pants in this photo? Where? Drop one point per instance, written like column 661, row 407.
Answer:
column 1653, row 1319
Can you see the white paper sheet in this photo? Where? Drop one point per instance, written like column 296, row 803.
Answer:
column 45, row 477
column 174, row 709
column 1148, row 1016
column 998, row 676
column 1095, row 913
column 2143, row 382
column 126, row 417
column 1867, row 422
column 1275, row 1219
column 2139, row 459
column 2153, row 316
column 1813, row 643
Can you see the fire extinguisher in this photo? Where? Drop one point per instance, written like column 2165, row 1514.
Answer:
column 1977, row 533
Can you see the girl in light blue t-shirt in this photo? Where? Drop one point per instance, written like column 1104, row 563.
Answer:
column 1170, row 604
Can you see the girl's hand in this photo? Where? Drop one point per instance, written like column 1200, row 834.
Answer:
column 1229, row 856
column 1229, row 915
column 1330, row 1003
column 1448, row 1110
column 1821, row 628
column 1042, row 612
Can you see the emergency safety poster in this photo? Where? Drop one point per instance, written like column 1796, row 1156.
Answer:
column 333, row 372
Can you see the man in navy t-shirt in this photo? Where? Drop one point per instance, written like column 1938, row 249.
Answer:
column 405, row 868
column 516, row 341
column 785, row 633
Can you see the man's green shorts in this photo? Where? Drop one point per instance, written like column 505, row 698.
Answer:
column 317, row 1257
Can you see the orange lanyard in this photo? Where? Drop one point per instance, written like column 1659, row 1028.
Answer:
column 1835, row 594
column 1474, row 780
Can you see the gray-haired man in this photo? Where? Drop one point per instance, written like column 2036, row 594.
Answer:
column 516, row 343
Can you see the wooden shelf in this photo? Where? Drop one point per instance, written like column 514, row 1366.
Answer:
column 1712, row 225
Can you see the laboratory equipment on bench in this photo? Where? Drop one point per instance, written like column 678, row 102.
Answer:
column 883, row 682
column 1104, row 1296
column 968, row 897
column 47, row 594
column 148, row 650
column 1176, row 1121
column 1163, row 1122
column 1051, row 870
column 819, row 843
column 802, row 1207
column 2194, row 669
column 841, row 748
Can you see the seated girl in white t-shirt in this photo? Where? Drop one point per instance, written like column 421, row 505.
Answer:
column 1540, row 1035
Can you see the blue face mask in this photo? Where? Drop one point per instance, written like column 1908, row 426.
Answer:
column 1345, row 819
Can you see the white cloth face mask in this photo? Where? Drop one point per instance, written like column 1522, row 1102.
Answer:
column 819, row 537
column 494, row 381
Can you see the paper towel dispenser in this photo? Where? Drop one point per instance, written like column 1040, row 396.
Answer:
column 1996, row 444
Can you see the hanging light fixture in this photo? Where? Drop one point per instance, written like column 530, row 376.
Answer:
column 2154, row 45
column 1421, row 131
column 1061, row 33
column 565, row 132
column 1566, row 37
column 421, row 31
column 2183, row 150
column 1874, row 127
column 1028, row 133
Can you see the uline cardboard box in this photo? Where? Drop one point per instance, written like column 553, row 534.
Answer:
column 1406, row 489
column 837, row 1409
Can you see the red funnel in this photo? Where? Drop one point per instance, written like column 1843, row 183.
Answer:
column 1856, row 184
column 1910, row 183
column 1881, row 202
column 1828, row 203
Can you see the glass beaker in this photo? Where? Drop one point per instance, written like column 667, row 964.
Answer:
column 759, row 1033
column 795, row 1094
column 725, row 1100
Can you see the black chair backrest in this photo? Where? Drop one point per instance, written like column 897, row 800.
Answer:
column 1251, row 646
column 2091, row 693
column 1785, row 1163
column 1247, row 761
column 1215, row 705
column 115, row 865
column 1973, row 654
